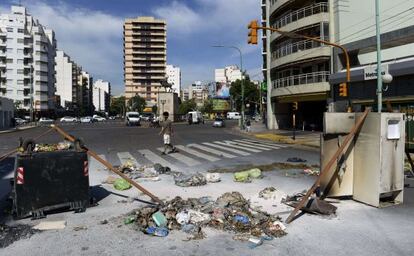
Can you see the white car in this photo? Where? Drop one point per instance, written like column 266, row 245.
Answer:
column 86, row 119
column 98, row 118
column 68, row 119
column 132, row 118
column 45, row 120
column 20, row 121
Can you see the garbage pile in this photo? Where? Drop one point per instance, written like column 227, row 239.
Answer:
column 230, row 212
column 134, row 172
column 61, row 146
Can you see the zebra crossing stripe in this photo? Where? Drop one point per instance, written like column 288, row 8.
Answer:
column 243, row 144
column 154, row 158
column 95, row 164
column 197, row 153
column 266, row 143
column 182, row 158
column 227, row 148
column 229, row 144
column 258, row 144
column 212, row 151
column 126, row 157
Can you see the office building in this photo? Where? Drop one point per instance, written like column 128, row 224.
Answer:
column 67, row 80
column 227, row 75
column 101, row 95
column 174, row 77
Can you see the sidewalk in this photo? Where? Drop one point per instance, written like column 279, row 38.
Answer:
column 307, row 138
column 20, row 128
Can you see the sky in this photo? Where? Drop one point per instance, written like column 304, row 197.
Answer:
column 90, row 32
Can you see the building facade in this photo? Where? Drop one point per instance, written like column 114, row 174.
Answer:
column 145, row 55
column 184, row 95
column 198, row 92
column 67, row 80
column 174, row 77
column 27, row 61
column 227, row 75
column 101, row 95
column 85, row 99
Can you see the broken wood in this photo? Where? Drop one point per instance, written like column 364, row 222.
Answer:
column 108, row 165
column 348, row 138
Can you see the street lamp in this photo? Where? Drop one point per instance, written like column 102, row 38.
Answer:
column 242, row 80
column 379, row 76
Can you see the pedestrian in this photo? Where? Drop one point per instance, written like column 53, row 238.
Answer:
column 167, row 132
column 248, row 125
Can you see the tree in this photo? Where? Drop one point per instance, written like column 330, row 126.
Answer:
column 251, row 93
column 187, row 106
column 207, row 106
column 117, row 106
column 136, row 103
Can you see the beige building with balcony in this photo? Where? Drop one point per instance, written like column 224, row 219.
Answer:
column 145, row 55
column 296, row 70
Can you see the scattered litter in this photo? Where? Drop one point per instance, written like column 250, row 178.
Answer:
column 159, row 219
column 156, row 231
column 197, row 217
column 268, row 193
column 246, row 176
column 189, row 180
column 296, row 160
column 311, row 171
column 313, row 205
column 103, row 222
column 10, row 234
column 241, row 219
column 254, row 242
column 129, row 220
column 50, row 225
column 110, row 180
column 161, row 169
column 213, row 177
column 121, row 184
column 149, row 179
column 79, row 228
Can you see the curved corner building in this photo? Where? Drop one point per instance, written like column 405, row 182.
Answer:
column 296, row 70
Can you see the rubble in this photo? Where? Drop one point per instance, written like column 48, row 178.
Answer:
column 10, row 234
column 229, row 212
column 189, row 180
column 268, row 193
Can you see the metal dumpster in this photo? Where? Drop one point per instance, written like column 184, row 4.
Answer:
column 47, row 181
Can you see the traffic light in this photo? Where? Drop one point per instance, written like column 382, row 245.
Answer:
column 343, row 90
column 252, row 32
column 295, row 106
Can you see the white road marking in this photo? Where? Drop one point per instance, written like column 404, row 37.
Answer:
column 259, row 144
column 125, row 157
column 154, row 158
column 227, row 143
column 227, row 148
column 95, row 164
column 182, row 158
column 250, row 145
column 197, row 153
column 267, row 143
column 212, row 151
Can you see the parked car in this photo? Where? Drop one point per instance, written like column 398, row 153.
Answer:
column 98, row 118
column 195, row 117
column 68, row 119
column 20, row 121
column 233, row 115
column 132, row 118
column 147, row 116
column 45, row 120
column 86, row 119
column 218, row 122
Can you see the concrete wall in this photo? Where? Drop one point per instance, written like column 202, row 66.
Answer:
column 168, row 101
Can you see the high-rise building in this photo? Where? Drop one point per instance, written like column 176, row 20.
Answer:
column 67, row 80
column 101, row 95
column 198, row 92
column 174, row 77
column 184, row 95
column 145, row 55
column 228, row 74
column 27, row 61
column 85, row 92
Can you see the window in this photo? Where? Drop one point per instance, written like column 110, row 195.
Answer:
column 19, row 92
column 20, row 40
column 9, row 29
column 20, row 71
column 19, row 81
column 20, row 30
column 9, row 60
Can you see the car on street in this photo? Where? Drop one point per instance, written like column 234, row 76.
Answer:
column 46, row 120
column 86, row 119
column 97, row 118
column 132, row 118
column 195, row 117
column 233, row 115
column 147, row 116
column 68, row 119
column 20, row 121
column 218, row 122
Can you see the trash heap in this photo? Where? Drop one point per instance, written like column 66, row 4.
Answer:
column 61, row 146
column 230, row 212
column 134, row 172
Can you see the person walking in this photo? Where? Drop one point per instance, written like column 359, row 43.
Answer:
column 248, row 125
column 167, row 132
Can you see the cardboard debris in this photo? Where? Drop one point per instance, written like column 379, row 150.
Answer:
column 50, row 225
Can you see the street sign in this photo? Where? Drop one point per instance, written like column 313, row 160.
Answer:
column 370, row 72
column 263, row 86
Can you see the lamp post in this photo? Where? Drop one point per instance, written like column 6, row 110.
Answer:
column 242, row 80
column 379, row 73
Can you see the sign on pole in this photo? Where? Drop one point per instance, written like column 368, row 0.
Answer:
column 370, row 72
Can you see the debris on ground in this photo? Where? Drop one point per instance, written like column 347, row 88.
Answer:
column 133, row 172
column 247, row 176
column 61, row 146
column 296, row 160
column 110, row 180
column 79, row 228
column 162, row 169
column 50, row 225
column 313, row 205
column 213, row 177
column 121, row 184
column 189, row 180
column 265, row 168
column 10, row 234
column 268, row 193
column 159, row 219
column 103, row 222
column 229, row 212
column 311, row 171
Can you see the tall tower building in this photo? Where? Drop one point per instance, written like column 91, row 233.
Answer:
column 174, row 78
column 145, row 55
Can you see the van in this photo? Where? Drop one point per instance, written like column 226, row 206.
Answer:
column 132, row 118
column 233, row 115
column 195, row 117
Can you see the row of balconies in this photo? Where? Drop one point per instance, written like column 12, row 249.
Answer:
column 302, row 79
column 145, row 39
column 287, row 49
column 144, row 27
column 144, row 33
column 299, row 14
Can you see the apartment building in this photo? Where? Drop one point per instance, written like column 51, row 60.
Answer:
column 145, row 54
column 27, row 61
column 228, row 74
column 85, row 99
column 184, row 94
column 101, row 95
column 198, row 92
column 67, row 80
column 174, row 77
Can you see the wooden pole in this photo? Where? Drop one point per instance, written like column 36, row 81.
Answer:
column 108, row 165
column 344, row 145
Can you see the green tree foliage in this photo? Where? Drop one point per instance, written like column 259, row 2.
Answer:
column 251, row 93
column 117, row 106
column 207, row 106
column 187, row 106
column 136, row 103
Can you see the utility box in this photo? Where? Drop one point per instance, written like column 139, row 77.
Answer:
column 46, row 181
column 372, row 169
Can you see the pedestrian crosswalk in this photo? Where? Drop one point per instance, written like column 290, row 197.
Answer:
column 194, row 154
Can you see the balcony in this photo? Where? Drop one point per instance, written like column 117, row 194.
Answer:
column 301, row 84
column 277, row 4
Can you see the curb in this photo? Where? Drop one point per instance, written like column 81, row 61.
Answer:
column 18, row 129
